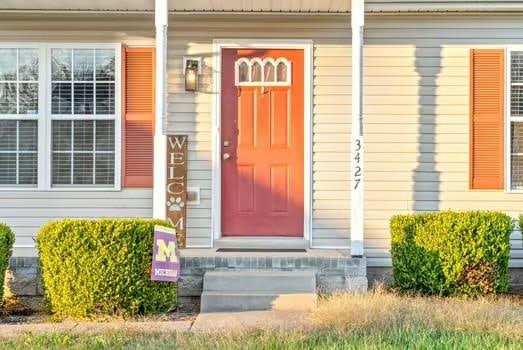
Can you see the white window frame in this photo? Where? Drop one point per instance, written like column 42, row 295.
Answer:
column 509, row 119
column 44, row 117
column 116, row 118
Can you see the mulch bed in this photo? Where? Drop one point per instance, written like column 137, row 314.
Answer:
column 17, row 310
column 30, row 310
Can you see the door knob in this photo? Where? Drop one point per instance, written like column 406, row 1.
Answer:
column 226, row 156
column 226, row 143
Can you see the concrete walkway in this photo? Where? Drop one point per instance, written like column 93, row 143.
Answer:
column 205, row 322
column 273, row 319
column 13, row 330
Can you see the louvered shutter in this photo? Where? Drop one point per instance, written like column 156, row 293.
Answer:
column 138, row 116
column 487, row 119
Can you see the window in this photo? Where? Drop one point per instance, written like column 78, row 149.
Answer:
column 83, row 116
column 70, row 121
column 266, row 72
column 516, row 120
column 19, row 108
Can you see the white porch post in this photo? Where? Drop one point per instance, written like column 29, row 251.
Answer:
column 357, row 153
column 161, row 13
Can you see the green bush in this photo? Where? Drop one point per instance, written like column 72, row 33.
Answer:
column 7, row 238
column 449, row 253
column 101, row 267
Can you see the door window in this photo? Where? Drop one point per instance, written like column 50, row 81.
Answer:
column 262, row 72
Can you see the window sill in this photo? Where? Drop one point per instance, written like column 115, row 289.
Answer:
column 84, row 189
column 60, row 189
column 18, row 189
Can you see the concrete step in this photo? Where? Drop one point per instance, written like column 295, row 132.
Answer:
column 284, row 282
column 249, row 290
column 251, row 301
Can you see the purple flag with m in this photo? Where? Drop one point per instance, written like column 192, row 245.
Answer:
column 166, row 257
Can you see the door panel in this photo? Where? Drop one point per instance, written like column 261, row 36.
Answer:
column 262, row 132
column 279, row 118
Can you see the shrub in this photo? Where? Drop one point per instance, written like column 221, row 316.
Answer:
column 7, row 238
column 451, row 253
column 93, row 267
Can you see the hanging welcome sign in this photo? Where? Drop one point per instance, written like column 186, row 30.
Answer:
column 176, row 204
column 166, row 257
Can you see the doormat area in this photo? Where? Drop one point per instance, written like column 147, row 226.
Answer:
column 259, row 250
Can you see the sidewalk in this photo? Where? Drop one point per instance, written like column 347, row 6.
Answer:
column 205, row 322
column 13, row 330
column 272, row 319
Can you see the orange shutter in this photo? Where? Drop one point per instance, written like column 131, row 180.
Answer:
column 487, row 71
column 138, row 116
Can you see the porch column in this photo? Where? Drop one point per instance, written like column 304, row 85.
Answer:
column 357, row 154
column 161, row 13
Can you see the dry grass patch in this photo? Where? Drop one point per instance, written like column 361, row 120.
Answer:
column 381, row 310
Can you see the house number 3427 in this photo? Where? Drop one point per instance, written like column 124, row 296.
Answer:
column 357, row 161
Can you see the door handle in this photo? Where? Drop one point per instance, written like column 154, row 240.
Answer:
column 226, row 156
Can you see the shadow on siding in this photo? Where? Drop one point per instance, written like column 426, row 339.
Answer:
column 427, row 180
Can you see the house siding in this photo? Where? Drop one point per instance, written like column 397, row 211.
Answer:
column 417, row 73
column 26, row 211
column 416, row 118
column 191, row 114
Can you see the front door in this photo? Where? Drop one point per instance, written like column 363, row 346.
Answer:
column 262, row 142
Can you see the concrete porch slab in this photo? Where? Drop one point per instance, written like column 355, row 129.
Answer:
column 212, row 252
column 335, row 270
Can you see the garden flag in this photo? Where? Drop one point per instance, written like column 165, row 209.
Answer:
column 166, row 258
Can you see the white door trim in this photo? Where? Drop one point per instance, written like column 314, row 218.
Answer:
column 307, row 47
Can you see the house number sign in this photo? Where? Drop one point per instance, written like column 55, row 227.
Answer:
column 357, row 164
column 176, row 204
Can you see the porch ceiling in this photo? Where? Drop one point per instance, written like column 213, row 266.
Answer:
column 336, row 6
column 283, row 6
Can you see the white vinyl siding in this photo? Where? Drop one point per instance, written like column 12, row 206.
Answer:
column 27, row 211
column 191, row 113
column 416, row 119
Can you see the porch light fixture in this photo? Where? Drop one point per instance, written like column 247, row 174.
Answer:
column 192, row 68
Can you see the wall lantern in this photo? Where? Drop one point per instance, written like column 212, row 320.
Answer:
column 192, row 70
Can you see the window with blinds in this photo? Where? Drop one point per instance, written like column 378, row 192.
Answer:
column 83, row 116
column 19, row 108
column 516, row 120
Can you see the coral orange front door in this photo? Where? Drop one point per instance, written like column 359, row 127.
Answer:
column 262, row 132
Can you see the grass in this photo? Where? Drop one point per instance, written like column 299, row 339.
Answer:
column 265, row 340
column 378, row 320
column 380, row 310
